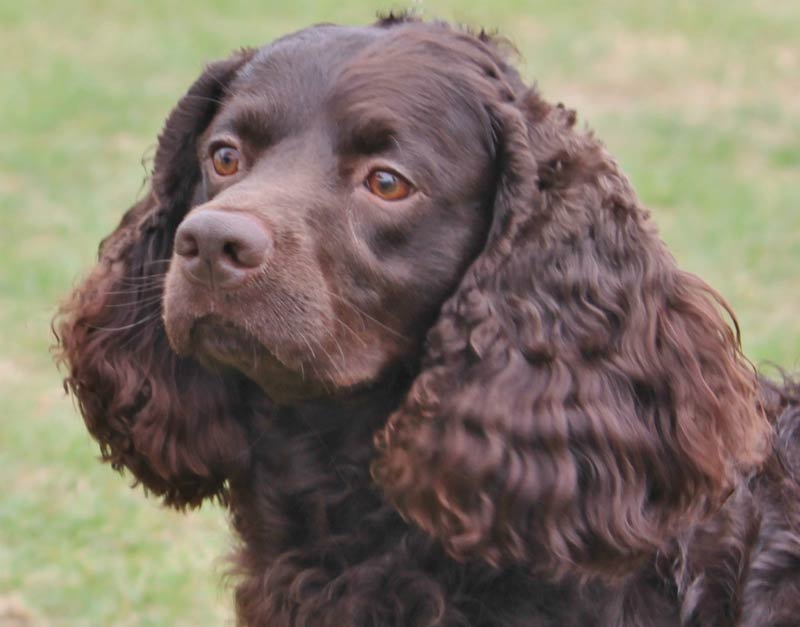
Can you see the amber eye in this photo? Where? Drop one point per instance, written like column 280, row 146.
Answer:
column 226, row 161
column 388, row 185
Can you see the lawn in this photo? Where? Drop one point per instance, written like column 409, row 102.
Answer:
column 700, row 101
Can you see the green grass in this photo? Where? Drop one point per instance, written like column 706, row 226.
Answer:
column 700, row 102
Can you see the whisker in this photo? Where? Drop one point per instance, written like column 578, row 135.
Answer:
column 138, row 280
column 134, row 337
column 355, row 335
column 363, row 313
column 127, row 326
column 307, row 343
column 134, row 290
column 216, row 101
column 135, row 280
column 138, row 303
column 341, row 352
column 324, row 351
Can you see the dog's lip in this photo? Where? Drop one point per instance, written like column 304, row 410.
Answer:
column 218, row 343
column 221, row 340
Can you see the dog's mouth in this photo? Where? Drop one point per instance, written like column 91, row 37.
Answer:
column 212, row 338
column 219, row 344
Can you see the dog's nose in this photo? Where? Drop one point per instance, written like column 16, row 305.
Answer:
column 220, row 248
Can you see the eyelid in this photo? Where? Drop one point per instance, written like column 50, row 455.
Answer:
column 390, row 171
column 384, row 166
column 223, row 141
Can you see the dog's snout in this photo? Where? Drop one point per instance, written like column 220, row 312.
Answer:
column 220, row 248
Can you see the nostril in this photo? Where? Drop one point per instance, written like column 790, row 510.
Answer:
column 186, row 244
column 248, row 250
column 233, row 251
column 229, row 249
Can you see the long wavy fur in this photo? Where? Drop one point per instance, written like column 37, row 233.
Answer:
column 174, row 425
column 580, row 395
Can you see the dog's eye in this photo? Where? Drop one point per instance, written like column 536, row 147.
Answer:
column 388, row 185
column 226, row 161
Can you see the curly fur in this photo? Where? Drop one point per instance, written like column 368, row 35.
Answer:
column 591, row 371
column 129, row 384
column 567, row 434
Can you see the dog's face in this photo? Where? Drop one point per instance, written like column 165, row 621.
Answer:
column 344, row 189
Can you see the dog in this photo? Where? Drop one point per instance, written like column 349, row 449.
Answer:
column 415, row 330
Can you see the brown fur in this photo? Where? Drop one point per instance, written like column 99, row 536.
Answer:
column 498, row 402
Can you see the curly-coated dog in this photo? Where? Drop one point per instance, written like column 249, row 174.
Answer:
column 417, row 333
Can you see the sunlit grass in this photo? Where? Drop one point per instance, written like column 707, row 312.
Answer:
column 700, row 102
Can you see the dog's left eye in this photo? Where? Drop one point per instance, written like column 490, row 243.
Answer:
column 226, row 160
column 388, row 185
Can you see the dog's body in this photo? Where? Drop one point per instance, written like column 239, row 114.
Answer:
column 418, row 334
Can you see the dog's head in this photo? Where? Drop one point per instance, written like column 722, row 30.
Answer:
column 341, row 189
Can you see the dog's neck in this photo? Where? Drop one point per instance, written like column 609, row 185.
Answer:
column 359, row 411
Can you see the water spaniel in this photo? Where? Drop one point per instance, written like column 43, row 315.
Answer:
column 415, row 331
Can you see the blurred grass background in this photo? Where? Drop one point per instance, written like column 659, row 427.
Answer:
column 700, row 101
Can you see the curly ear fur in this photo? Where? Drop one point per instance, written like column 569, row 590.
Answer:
column 175, row 426
column 581, row 397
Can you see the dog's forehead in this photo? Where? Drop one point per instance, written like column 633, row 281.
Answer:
column 356, row 86
column 306, row 60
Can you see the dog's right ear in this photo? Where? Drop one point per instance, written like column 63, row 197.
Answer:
column 175, row 426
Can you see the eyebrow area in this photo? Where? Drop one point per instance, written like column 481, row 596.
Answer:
column 366, row 135
column 257, row 123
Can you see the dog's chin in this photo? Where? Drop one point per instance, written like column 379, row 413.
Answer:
column 220, row 345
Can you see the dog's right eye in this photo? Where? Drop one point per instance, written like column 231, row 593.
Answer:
column 388, row 185
column 226, row 160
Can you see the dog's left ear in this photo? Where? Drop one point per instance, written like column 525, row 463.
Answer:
column 581, row 397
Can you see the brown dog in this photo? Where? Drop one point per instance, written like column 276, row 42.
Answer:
column 381, row 236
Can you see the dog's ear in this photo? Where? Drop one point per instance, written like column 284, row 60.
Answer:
column 581, row 397
column 177, row 169
column 175, row 426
